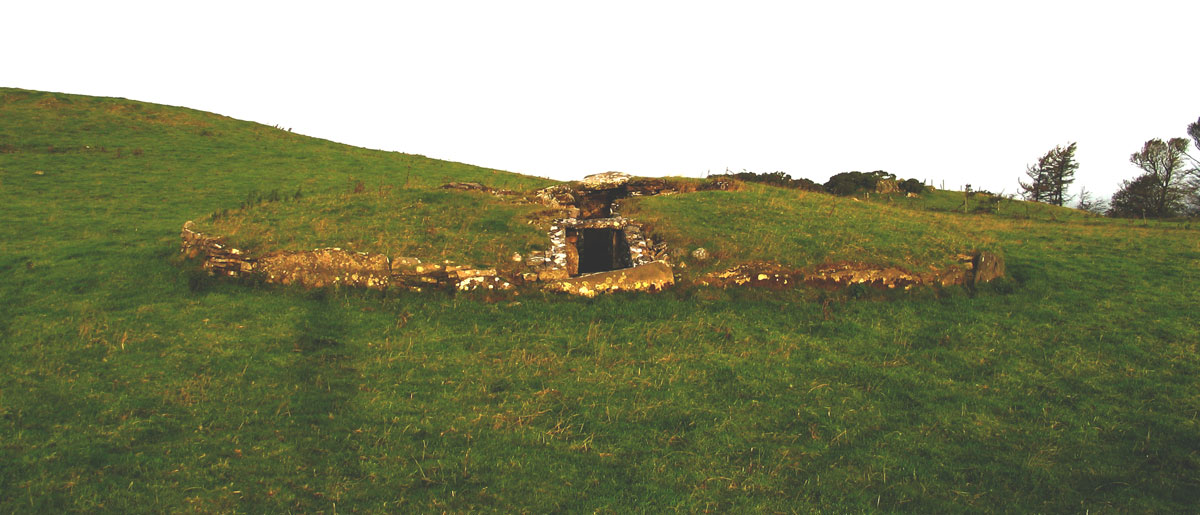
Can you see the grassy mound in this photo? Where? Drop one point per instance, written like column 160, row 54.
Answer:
column 129, row 384
column 803, row 229
column 465, row 227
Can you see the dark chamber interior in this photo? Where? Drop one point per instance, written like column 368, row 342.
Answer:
column 601, row 250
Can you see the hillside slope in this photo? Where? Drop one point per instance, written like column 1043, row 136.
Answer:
column 130, row 384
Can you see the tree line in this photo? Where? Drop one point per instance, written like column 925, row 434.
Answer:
column 1169, row 185
column 845, row 183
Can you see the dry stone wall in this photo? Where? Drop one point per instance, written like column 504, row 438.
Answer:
column 333, row 266
column 975, row 268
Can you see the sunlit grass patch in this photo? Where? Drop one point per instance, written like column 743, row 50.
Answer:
column 803, row 229
column 429, row 224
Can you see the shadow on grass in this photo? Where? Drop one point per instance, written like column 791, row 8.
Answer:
column 323, row 383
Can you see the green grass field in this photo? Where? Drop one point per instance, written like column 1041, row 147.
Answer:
column 131, row 383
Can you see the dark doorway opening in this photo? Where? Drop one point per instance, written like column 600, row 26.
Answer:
column 601, row 250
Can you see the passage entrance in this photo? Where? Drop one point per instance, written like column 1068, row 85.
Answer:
column 601, row 250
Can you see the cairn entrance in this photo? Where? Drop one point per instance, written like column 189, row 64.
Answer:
column 601, row 250
column 592, row 237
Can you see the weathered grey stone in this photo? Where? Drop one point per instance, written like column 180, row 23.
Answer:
column 700, row 254
column 987, row 266
column 555, row 196
column 604, row 181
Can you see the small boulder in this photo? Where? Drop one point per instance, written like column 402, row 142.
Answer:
column 987, row 266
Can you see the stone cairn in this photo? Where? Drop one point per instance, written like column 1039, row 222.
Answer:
column 592, row 203
column 590, row 206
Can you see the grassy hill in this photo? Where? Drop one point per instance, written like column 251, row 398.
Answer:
column 129, row 383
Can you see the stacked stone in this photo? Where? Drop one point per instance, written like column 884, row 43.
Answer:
column 649, row 187
column 592, row 204
column 325, row 267
column 219, row 258
column 974, row 268
column 550, row 264
column 615, row 222
column 413, row 275
column 557, row 196
column 641, row 249
column 556, row 263
column 333, row 266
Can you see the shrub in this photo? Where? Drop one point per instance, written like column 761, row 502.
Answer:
column 778, row 179
column 848, row 183
column 911, row 186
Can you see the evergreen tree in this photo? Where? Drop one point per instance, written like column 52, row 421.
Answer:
column 1036, row 189
column 1050, row 177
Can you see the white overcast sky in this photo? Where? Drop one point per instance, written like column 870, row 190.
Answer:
column 961, row 92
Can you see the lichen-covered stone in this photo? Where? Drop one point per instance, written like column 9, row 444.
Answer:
column 604, row 181
column 646, row 278
column 556, row 196
column 405, row 262
column 491, row 283
column 846, row 274
column 758, row 274
column 469, row 273
column 325, row 267
column 987, row 266
column 553, row 274
column 614, row 222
